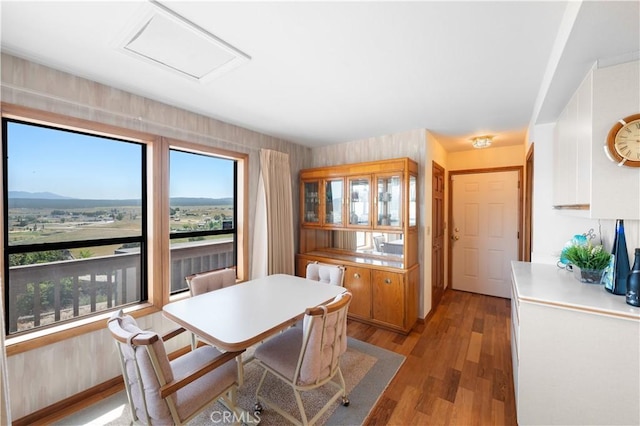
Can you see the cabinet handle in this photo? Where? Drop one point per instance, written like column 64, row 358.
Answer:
column 387, row 280
column 356, row 275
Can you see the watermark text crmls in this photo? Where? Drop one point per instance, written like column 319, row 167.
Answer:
column 228, row 417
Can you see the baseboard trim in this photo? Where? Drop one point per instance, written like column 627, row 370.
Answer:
column 63, row 408
column 67, row 406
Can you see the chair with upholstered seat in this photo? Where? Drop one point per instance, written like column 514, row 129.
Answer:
column 308, row 357
column 171, row 392
column 205, row 282
column 378, row 242
column 325, row 273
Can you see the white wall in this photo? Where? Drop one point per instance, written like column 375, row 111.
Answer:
column 553, row 228
column 487, row 158
column 550, row 228
column 41, row 377
column 5, row 408
column 434, row 152
column 616, row 191
column 409, row 144
column 616, row 94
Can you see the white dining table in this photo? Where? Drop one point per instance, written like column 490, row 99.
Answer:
column 237, row 317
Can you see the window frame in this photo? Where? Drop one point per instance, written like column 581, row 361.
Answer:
column 179, row 235
column 76, row 243
column 156, row 184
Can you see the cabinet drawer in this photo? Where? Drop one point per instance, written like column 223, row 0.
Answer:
column 358, row 282
column 388, row 297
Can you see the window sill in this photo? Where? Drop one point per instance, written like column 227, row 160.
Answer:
column 36, row 339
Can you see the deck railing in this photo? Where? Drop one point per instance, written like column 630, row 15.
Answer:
column 46, row 293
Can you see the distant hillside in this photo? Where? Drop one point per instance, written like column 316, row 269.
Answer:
column 38, row 195
column 67, row 204
column 33, row 201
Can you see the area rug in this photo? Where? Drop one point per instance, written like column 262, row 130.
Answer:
column 367, row 370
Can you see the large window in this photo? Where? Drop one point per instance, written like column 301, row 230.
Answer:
column 74, row 224
column 202, row 214
column 97, row 217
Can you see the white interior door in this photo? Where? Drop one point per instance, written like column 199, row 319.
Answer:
column 484, row 232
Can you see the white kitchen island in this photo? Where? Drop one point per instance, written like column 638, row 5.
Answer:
column 575, row 350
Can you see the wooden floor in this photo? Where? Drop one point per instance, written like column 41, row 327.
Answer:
column 458, row 367
column 457, row 371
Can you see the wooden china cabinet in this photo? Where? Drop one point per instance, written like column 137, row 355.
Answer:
column 364, row 216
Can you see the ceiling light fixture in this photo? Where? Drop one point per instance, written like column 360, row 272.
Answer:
column 482, row 141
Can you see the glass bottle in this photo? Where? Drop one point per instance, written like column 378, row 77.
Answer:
column 621, row 261
column 633, row 282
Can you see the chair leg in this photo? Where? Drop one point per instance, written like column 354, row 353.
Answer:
column 303, row 414
column 239, row 416
column 345, row 400
column 258, row 407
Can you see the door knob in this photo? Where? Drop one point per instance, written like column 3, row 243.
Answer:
column 455, row 237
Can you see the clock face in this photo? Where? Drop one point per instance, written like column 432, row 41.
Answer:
column 623, row 142
column 627, row 141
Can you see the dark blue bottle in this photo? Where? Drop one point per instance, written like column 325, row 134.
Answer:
column 633, row 282
column 621, row 262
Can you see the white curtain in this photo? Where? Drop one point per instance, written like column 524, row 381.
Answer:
column 5, row 408
column 260, row 236
column 273, row 251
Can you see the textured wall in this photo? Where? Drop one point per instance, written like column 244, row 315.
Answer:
column 412, row 144
column 44, row 376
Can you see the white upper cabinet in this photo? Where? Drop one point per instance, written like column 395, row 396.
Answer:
column 584, row 178
column 572, row 150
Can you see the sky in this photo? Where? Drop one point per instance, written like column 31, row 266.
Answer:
column 90, row 167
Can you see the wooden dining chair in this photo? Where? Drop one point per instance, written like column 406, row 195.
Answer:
column 171, row 392
column 325, row 273
column 308, row 357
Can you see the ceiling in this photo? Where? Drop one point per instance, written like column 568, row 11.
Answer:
column 322, row 73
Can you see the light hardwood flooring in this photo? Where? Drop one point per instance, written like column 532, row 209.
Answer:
column 458, row 368
column 457, row 372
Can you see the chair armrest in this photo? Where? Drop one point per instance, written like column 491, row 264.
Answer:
column 176, row 385
column 172, row 333
column 147, row 340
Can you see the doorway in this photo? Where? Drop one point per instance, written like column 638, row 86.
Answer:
column 438, row 231
column 528, row 207
column 485, row 227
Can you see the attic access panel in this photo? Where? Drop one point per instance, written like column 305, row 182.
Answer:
column 166, row 39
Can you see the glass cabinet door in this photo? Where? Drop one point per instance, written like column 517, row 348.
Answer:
column 413, row 206
column 359, row 201
column 334, row 202
column 311, row 203
column 389, row 211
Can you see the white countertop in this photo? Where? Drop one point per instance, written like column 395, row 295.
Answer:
column 550, row 285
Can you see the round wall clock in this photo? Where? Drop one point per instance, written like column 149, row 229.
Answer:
column 623, row 142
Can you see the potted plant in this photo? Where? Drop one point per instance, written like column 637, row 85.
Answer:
column 587, row 261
